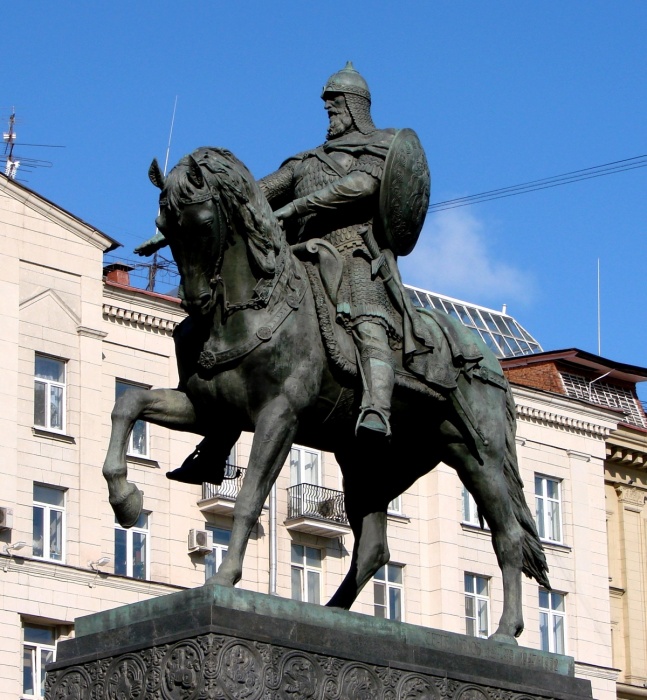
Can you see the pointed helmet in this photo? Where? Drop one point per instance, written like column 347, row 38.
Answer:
column 347, row 81
column 350, row 83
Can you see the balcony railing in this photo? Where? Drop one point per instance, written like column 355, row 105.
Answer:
column 229, row 488
column 310, row 501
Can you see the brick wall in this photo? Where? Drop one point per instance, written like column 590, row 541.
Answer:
column 543, row 376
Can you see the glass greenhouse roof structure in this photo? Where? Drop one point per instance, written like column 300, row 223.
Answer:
column 500, row 332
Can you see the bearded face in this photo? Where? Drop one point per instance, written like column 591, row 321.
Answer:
column 340, row 117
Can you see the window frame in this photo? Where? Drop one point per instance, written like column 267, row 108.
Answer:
column 551, row 615
column 218, row 550
column 130, row 451
column 47, row 509
column 545, row 523
column 305, row 569
column 51, row 384
column 395, row 506
column 477, row 598
column 37, row 670
column 299, row 472
column 387, row 586
column 129, row 535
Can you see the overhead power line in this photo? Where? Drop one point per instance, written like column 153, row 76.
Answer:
column 617, row 166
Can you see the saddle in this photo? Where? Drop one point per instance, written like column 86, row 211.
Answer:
column 433, row 369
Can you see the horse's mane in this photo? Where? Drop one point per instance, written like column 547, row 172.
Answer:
column 241, row 200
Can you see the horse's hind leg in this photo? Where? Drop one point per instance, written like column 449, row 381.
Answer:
column 487, row 484
column 166, row 407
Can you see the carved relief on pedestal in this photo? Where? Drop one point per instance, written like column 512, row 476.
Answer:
column 217, row 667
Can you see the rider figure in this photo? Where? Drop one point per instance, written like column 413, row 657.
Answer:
column 333, row 193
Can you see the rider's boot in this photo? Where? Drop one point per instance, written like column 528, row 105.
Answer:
column 204, row 464
column 375, row 411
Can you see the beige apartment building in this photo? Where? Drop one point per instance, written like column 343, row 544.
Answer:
column 76, row 337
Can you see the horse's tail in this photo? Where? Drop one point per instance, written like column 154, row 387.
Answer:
column 534, row 559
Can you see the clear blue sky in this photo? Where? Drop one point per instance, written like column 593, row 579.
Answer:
column 499, row 92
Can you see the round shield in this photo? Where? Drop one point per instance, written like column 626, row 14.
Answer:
column 404, row 192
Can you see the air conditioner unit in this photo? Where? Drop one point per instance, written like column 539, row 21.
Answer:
column 6, row 518
column 200, row 541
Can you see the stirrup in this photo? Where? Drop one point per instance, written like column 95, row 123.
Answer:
column 373, row 420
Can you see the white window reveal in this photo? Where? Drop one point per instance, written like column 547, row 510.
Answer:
column 552, row 621
column 388, row 592
column 38, row 650
column 213, row 560
column 470, row 511
column 48, row 523
column 477, row 606
column 132, row 549
column 548, row 504
column 49, row 393
column 138, row 441
column 306, row 574
column 304, row 466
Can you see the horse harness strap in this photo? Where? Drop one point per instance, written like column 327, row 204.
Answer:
column 296, row 286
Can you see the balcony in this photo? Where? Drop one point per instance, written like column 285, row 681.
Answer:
column 222, row 498
column 317, row 511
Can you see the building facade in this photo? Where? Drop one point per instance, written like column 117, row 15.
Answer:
column 75, row 339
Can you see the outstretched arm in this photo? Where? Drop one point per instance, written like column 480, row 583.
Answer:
column 152, row 245
column 351, row 187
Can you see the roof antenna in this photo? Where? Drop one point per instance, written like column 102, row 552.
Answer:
column 599, row 323
column 155, row 265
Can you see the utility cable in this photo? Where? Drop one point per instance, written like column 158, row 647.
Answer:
column 544, row 183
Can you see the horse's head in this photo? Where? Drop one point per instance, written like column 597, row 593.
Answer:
column 206, row 196
column 192, row 223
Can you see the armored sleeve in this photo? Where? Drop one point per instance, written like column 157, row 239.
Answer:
column 371, row 164
column 355, row 185
column 278, row 183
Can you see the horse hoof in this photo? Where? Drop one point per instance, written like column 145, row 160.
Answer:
column 129, row 507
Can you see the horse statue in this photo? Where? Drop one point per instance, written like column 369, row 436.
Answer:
column 258, row 352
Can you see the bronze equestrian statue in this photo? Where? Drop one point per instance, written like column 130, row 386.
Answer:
column 294, row 342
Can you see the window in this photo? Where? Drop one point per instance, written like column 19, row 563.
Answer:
column 48, row 519
column 395, row 506
column 49, row 393
column 131, row 549
column 548, row 508
column 138, row 441
column 388, row 592
column 213, row 560
column 552, row 621
column 38, row 650
column 477, row 606
column 306, row 574
column 470, row 511
column 304, row 466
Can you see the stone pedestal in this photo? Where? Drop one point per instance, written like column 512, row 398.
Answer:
column 212, row 642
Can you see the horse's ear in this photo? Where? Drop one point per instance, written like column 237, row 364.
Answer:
column 195, row 175
column 155, row 174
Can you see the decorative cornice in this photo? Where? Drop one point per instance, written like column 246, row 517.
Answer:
column 574, row 454
column 626, row 456
column 91, row 333
column 631, row 496
column 138, row 319
column 561, row 422
column 593, row 671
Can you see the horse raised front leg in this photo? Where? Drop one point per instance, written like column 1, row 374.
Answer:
column 165, row 407
column 275, row 431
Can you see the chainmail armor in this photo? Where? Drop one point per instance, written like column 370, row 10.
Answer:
column 360, row 110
